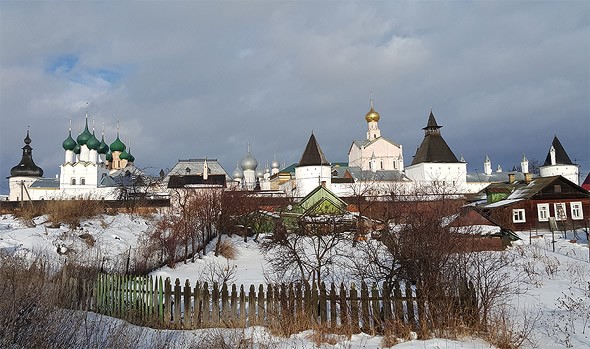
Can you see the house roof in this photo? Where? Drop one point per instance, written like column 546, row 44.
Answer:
column 196, row 181
column 195, row 166
column 46, row 183
column 553, row 187
column 586, row 183
column 496, row 177
column 313, row 155
column 561, row 157
column 363, row 143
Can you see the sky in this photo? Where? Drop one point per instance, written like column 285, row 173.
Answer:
column 195, row 79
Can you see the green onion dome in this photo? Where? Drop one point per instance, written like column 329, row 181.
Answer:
column 124, row 155
column 69, row 143
column 84, row 136
column 131, row 158
column 77, row 149
column 103, row 148
column 117, row 145
column 109, row 157
column 93, row 143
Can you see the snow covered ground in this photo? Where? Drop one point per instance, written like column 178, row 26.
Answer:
column 554, row 302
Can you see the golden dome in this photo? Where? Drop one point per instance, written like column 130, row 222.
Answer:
column 372, row 115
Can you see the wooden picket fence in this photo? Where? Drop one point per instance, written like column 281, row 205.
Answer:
column 159, row 303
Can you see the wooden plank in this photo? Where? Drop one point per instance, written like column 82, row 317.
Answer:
column 354, row 308
column 197, row 311
column 333, row 299
column 177, row 304
column 187, row 318
column 252, row 306
column 410, row 305
column 260, row 301
column 387, row 311
column 160, row 300
column 167, row 302
column 344, row 310
column 243, row 305
column 224, row 304
column 376, row 309
column 365, row 308
column 290, row 301
column 234, row 304
column 205, row 306
column 270, row 305
column 314, row 304
column 215, row 305
column 323, row 304
column 399, row 307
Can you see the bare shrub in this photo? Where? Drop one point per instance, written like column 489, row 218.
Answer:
column 28, row 211
column 508, row 333
column 228, row 250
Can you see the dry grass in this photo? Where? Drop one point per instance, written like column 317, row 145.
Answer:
column 71, row 212
column 228, row 250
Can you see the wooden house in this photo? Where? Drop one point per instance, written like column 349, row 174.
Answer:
column 531, row 204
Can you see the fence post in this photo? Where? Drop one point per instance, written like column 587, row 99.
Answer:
column 252, row 306
column 385, row 293
column 344, row 321
column 167, row 302
column 354, row 308
column 291, row 301
column 215, row 304
column 234, row 303
column 365, row 307
column 270, row 305
column 160, row 300
column 225, row 313
column 205, row 305
column 177, row 302
column 242, row 305
column 314, row 303
column 298, row 311
column 261, row 304
column 323, row 305
column 399, row 306
column 332, row 305
column 187, row 306
column 410, row 305
column 376, row 307
column 197, row 312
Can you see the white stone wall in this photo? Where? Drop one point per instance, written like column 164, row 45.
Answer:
column 568, row 171
column 309, row 177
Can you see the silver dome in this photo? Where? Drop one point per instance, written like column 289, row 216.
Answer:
column 275, row 164
column 249, row 162
column 260, row 174
column 238, row 174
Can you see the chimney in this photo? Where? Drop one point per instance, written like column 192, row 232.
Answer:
column 528, row 177
column 511, row 177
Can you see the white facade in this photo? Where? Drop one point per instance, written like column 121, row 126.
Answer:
column 451, row 176
column 309, row 177
column 570, row 172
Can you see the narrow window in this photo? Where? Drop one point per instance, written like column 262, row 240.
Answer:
column 82, row 181
column 557, row 188
column 73, row 181
column 543, row 212
column 518, row 215
column 576, row 209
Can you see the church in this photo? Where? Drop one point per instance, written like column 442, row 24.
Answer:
column 91, row 170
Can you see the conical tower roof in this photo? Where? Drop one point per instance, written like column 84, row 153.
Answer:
column 433, row 147
column 313, row 154
column 561, row 157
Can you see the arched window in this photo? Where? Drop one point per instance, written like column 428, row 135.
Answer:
column 73, row 181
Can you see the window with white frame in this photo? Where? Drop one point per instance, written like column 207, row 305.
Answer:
column 518, row 215
column 576, row 208
column 560, row 214
column 543, row 212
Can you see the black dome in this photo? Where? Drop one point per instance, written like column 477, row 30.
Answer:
column 26, row 167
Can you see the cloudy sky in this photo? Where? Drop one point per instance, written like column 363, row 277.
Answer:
column 190, row 79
